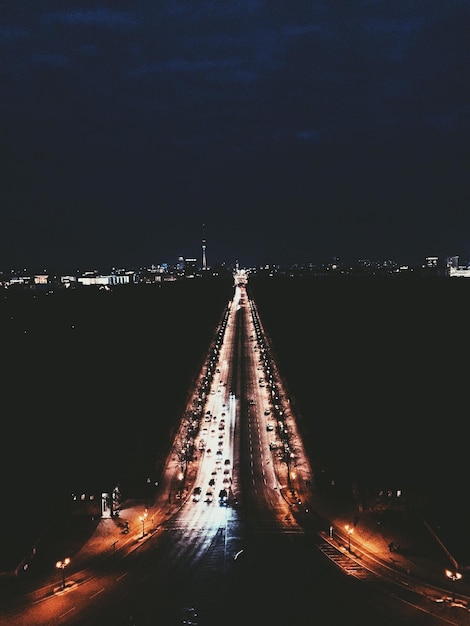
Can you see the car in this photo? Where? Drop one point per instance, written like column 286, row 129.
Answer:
column 226, row 470
column 269, row 427
column 209, row 495
column 208, row 451
column 196, row 494
column 227, row 462
column 212, row 482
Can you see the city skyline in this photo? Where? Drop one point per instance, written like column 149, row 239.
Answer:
column 279, row 134
column 189, row 267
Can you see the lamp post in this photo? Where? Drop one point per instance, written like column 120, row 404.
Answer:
column 453, row 576
column 62, row 565
column 142, row 519
column 180, row 482
column 349, row 530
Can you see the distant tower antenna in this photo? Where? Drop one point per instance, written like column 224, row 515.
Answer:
column 204, row 264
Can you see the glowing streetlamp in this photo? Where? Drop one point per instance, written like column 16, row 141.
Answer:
column 453, row 576
column 142, row 518
column 180, row 478
column 62, row 565
column 349, row 529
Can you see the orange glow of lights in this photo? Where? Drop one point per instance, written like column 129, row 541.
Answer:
column 453, row 575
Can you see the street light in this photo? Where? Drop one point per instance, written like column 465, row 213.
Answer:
column 180, row 483
column 142, row 519
column 62, row 565
column 349, row 530
column 453, row 576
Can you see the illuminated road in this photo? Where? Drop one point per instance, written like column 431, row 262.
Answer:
column 246, row 546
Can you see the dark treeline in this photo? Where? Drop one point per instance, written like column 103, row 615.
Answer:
column 376, row 368
column 93, row 384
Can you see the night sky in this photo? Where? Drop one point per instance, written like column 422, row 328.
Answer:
column 281, row 132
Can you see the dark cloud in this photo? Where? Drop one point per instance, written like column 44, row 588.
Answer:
column 290, row 129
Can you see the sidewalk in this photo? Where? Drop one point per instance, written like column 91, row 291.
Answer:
column 119, row 535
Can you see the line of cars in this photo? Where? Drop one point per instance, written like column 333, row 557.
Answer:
column 226, row 481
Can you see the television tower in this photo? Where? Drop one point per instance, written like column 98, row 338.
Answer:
column 204, row 264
